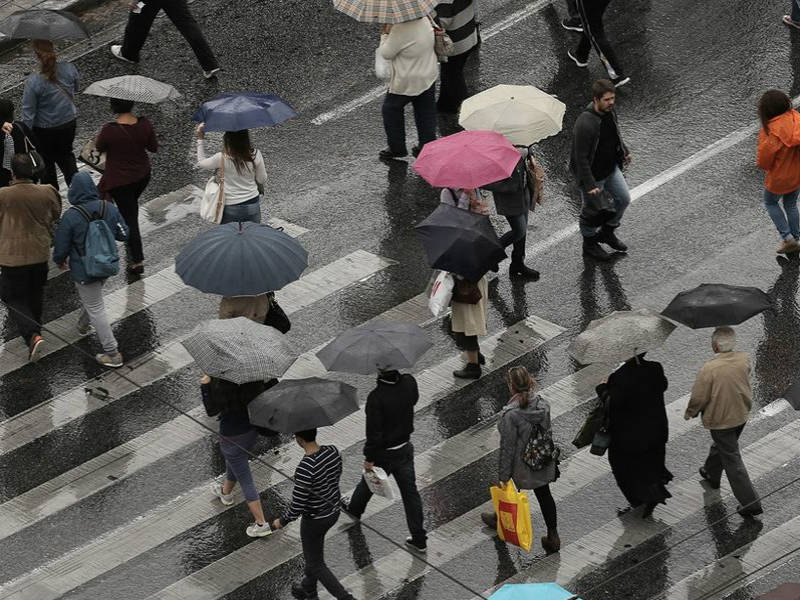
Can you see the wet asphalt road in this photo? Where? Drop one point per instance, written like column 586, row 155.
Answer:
column 697, row 72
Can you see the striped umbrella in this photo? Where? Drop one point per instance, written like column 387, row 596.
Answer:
column 385, row 11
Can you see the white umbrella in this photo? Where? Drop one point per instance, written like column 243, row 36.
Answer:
column 136, row 88
column 522, row 113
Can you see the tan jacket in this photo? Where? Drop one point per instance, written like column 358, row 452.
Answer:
column 409, row 46
column 722, row 391
column 27, row 214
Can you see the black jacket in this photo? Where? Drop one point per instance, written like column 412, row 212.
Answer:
column 585, row 137
column 512, row 195
column 390, row 413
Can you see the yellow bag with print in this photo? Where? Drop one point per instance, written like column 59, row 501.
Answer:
column 513, row 515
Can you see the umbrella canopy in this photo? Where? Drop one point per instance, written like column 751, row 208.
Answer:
column 136, row 88
column 43, row 24
column 619, row 336
column 716, row 304
column 523, row 114
column 533, row 591
column 376, row 346
column 234, row 111
column 385, row 11
column 241, row 259
column 460, row 242
column 300, row 404
column 467, row 159
column 239, row 350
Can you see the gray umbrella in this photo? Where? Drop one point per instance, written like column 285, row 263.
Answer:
column 136, row 88
column 43, row 24
column 300, row 404
column 376, row 346
column 239, row 350
column 621, row 335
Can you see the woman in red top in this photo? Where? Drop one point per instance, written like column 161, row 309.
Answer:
column 126, row 141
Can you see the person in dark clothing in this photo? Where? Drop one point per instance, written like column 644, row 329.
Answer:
column 12, row 141
column 598, row 155
column 126, row 141
column 315, row 498
column 390, row 422
column 572, row 22
column 639, row 432
column 457, row 18
column 512, row 199
column 140, row 19
column 594, row 36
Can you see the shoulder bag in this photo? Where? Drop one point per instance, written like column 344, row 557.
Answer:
column 442, row 43
column 466, row 292
column 36, row 159
column 213, row 201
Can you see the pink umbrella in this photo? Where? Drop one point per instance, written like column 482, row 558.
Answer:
column 467, row 159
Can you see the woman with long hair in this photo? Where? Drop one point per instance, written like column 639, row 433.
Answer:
column 779, row 155
column 518, row 419
column 244, row 174
column 48, row 107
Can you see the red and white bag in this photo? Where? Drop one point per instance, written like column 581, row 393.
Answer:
column 441, row 293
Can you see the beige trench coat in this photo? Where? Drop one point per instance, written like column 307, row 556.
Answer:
column 470, row 319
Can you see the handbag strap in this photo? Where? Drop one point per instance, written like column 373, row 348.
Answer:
column 63, row 90
column 28, row 143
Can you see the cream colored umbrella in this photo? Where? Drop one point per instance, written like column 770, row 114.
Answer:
column 524, row 114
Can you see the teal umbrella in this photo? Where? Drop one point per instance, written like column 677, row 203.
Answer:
column 533, row 591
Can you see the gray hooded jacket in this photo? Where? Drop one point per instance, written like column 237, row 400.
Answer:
column 515, row 427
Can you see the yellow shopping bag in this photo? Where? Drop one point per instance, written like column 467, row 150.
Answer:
column 513, row 515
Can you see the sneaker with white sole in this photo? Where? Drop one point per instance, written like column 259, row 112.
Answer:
column 572, row 24
column 110, row 359
column 620, row 80
column 211, row 73
column 578, row 62
column 116, row 50
column 256, row 530
column 35, row 348
column 226, row 499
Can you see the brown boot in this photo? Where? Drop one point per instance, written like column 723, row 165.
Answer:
column 551, row 542
column 489, row 519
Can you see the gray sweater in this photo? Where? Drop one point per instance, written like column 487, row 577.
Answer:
column 515, row 427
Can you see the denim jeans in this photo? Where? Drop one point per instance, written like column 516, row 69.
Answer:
column 22, row 288
column 245, row 211
column 312, row 537
column 615, row 185
column 787, row 224
column 234, row 448
column 516, row 235
column 399, row 463
column 394, row 120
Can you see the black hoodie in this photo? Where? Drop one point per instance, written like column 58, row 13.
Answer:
column 390, row 413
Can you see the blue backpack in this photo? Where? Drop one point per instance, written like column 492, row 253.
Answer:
column 100, row 254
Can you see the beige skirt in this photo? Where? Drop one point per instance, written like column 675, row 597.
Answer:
column 470, row 319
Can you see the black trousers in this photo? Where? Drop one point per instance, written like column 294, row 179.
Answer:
column 178, row 12
column 548, row 506
column 22, row 289
column 394, row 120
column 517, row 235
column 453, row 87
column 55, row 146
column 126, row 197
column 594, row 36
column 312, row 538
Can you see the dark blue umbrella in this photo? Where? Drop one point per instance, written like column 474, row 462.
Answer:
column 234, row 111
column 241, row 259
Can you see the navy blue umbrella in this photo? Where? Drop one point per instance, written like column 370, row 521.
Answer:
column 234, row 111
column 241, row 259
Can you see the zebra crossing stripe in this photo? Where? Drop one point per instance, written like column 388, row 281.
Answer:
column 192, row 507
column 121, row 461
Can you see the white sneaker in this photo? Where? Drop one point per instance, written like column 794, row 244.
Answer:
column 211, row 73
column 110, row 359
column 256, row 530
column 226, row 499
column 116, row 50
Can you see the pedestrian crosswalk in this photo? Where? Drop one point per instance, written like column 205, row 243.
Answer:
column 448, row 460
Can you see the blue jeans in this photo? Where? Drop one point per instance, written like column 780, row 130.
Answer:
column 516, row 235
column 787, row 224
column 394, row 120
column 234, row 449
column 249, row 210
column 615, row 185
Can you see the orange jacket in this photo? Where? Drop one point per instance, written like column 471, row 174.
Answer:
column 779, row 153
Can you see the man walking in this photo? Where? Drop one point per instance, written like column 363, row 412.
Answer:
column 28, row 212
column 390, row 422
column 594, row 36
column 140, row 19
column 598, row 155
column 457, row 17
column 316, row 499
column 723, row 395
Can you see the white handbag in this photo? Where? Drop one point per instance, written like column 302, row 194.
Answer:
column 383, row 67
column 441, row 293
column 379, row 483
column 213, row 201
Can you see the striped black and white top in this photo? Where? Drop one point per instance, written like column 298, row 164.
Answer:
column 457, row 17
column 316, row 485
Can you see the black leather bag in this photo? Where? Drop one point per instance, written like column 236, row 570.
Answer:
column 602, row 438
column 598, row 208
column 33, row 154
column 276, row 317
column 466, row 292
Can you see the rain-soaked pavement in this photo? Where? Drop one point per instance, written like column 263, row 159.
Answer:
column 107, row 498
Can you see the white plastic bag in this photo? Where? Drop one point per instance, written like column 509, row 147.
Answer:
column 379, row 483
column 383, row 67
column 441, row 293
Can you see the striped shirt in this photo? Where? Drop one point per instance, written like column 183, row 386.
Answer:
column 316, row 485
column 457, row 17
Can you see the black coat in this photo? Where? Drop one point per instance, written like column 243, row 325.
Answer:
column 511, row 195
column 585, row 138
column 390, row 413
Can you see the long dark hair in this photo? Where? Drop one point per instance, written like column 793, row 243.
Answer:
column 239, row 149
column 772, row 104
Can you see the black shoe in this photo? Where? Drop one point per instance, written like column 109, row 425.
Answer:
column 593, row 249
column 607, row 236
column 344, row 504
column 299, row 592
column 620, row 80
column 387, row 154
column 714, row 485
column 415, row 151
column 481, row 359
column 470, row 371
column 420, row 547
column 749, row 512
column 520, row 270
column 648, row 509
column 572, row 24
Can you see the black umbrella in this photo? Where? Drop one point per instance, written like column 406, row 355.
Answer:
column 43, row 24
column 300, row 404
column 716, row 304
column 460, row 242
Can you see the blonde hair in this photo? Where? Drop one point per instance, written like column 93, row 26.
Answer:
column 521, row 383
column 47, row 58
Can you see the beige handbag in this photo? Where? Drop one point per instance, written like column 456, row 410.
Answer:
column 213, row 201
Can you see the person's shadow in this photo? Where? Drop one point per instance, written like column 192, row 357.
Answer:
column 591, row 306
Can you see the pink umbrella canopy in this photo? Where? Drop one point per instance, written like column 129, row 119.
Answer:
column 467, row 159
